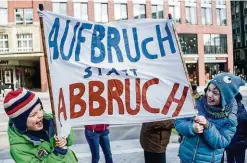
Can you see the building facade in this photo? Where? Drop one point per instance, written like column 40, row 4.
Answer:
column 203, row 26
column 239, row 31
column 20, row 46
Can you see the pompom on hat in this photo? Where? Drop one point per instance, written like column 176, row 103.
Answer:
column 18, row 105
column 228, row 85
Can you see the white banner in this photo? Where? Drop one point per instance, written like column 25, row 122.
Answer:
column 117, row 73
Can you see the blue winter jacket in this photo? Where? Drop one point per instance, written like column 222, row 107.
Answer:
column 239, row 141
column 207, row 147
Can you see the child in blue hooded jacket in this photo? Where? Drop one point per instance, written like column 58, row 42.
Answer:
column 206, row 135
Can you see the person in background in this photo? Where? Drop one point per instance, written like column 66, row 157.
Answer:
column 194, row 91
column 98, row 135
column 236, row 150
column 31, row 131
column 17, row 84
column 206, row 135
column 154, row 139
column 2, row 88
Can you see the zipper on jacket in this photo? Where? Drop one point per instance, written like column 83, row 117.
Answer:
column 197, row 142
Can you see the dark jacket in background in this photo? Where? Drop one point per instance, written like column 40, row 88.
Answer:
column 156, row 135
column 239, row 141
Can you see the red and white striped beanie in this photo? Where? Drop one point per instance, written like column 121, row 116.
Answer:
column 18, row 105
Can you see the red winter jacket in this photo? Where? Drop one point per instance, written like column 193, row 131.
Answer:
column 97, row 128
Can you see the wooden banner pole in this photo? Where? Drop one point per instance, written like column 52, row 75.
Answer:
column 184, row 65
column 41, row 8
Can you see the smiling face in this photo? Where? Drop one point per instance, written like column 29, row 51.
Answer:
column 35, row 119
column 213, row 95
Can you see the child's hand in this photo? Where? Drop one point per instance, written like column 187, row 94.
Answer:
column 198, row 128
column 61, row 142
column 201, row 120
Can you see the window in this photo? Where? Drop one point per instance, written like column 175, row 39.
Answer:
column 101, row 12
column 191, row 13
column 188, row 43
column 221, row 2
column 212, row 69
column 59, row 7
column 206, row 8
column 245, row 8
column 3, row 16
column 4, row 45
column 234, row 27
column 206, row 1
column 120, row 11
column 190, row 1
column 221, row 12
column 192, row 69
column 237, row 26
column 237, row 12
column 237, row 55
column 233, row 12
column 238, row 38
column 221, row 16
column 215, row 44
column 175, row 11
column 245, row 23
column 238, row 41
column 24, row 16
column 81, row 11
column 234, row 41
column 245, row 35
column 157, row 11
column 3, row 12
column 191, row 16
column 24, row 42
column 207, row 16
column 139, row 11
